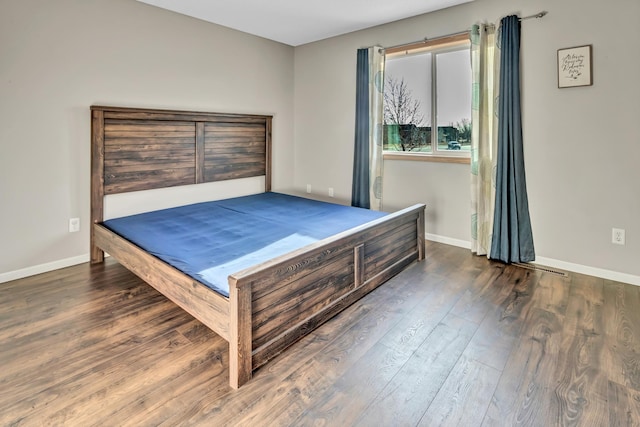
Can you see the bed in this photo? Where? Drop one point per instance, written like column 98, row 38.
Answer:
column 266, row 306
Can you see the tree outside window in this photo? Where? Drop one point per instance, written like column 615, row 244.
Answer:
column 427, row 100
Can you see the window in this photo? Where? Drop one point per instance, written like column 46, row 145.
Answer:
column 427, row 99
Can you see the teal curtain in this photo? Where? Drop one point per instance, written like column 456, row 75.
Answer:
column 361, row 183
column 512, row 236
column 366, row 187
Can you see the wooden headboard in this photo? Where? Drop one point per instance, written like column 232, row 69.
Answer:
column 136, row 149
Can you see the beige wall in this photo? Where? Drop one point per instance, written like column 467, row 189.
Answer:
column 58, row 58
column 581, row 144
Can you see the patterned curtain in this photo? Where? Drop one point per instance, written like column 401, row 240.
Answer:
column 366, row 190
column 512, row 236
column 376, row 122
column 485, row 66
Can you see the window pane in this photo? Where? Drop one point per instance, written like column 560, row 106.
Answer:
column 407, row 103
column 453, row 106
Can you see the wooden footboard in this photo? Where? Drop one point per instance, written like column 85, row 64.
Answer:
column 282, row 300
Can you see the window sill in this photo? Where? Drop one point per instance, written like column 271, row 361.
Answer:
column 426, row 158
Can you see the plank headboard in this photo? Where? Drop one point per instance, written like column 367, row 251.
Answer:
column 136, row 149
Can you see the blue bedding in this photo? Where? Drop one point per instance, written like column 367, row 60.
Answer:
column 209, row 241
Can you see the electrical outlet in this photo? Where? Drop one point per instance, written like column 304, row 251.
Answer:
column 74, row 225
column 308, row 188
column 330, row 192
column 617, row 236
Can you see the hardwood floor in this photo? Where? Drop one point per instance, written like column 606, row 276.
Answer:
column 454, row 340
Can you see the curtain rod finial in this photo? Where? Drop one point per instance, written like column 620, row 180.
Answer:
column 536, row 16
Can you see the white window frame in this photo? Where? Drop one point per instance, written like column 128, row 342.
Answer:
column 437, row 46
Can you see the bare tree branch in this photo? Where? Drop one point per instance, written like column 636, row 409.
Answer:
column 399, row 106
column 405, row 113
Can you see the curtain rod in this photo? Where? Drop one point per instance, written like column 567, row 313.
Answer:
column 537, row 15
column 426, row 39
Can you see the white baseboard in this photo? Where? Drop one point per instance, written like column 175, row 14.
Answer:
column 543, row 261
column 554, row 263
column 448, row 241
column 43, row 268
column 590, row 271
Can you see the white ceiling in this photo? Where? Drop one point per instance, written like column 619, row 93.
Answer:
column 296, row 22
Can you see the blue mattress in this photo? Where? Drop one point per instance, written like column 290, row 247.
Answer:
column 209, row 241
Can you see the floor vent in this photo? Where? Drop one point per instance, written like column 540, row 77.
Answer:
column 540, row 268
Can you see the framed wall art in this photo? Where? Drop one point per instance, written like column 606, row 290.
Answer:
column 574, row 66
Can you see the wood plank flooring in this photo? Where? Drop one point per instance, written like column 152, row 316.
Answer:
column 453, row 340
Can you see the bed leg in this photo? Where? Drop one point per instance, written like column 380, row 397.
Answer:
column 96, row 254
column 240, row 363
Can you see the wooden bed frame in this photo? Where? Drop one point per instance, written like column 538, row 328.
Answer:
column 271, row 305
